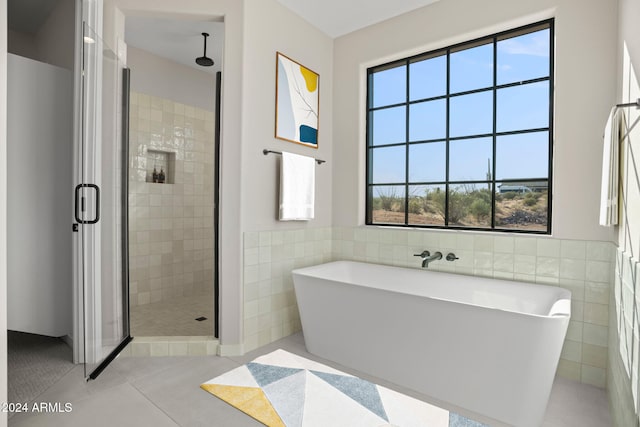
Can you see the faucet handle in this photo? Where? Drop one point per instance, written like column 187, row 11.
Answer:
column 451, row 256
column 424, row 254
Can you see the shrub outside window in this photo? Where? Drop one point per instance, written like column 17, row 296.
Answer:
column 461, row 137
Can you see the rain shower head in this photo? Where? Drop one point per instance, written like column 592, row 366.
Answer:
column 204, row 60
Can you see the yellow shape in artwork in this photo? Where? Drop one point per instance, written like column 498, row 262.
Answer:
column 310, row 78
column 250, row 400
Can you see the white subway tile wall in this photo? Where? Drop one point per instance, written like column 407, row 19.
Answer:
column 270, row 309
column 584, row 267
column 170, row 225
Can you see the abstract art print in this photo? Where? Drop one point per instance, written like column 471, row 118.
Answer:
column 297, row 102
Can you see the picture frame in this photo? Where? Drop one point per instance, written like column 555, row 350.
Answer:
column 297, row 102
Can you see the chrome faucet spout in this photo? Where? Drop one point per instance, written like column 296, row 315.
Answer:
column 427, row 257
column 436, row 256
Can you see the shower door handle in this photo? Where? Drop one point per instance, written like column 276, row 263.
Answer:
column 80, row 204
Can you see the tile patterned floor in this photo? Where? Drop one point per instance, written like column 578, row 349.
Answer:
column 164, row 391
column 174, row 318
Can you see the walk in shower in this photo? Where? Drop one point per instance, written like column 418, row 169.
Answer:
column 171, row 234
column 173, row 140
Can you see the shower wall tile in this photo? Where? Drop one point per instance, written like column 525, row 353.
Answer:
column 171, row 224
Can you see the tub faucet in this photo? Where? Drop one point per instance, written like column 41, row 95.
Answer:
column 427, row 257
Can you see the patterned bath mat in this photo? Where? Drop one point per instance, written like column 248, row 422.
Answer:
column 283, row 389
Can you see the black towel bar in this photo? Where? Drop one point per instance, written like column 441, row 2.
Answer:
column 265, row 152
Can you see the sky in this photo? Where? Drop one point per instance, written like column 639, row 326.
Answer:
column 518, row 108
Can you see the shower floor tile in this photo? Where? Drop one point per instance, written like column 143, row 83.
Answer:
column 174, row 318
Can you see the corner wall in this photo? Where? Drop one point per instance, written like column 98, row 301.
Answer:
column 157, row 76
column 53, row 43
column 268, row 302
column 624, row 330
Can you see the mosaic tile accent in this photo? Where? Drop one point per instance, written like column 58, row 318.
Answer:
column 305, row 393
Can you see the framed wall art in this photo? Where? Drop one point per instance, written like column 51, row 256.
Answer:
column 297, row 102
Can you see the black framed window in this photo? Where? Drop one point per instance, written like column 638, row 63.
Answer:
column 461, row 137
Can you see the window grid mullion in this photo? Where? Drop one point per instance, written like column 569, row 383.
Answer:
column 457, row 94
column 447, row 132
column 406, row 141
column 495, row 129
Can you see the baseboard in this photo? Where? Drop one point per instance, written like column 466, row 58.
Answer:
column 225, row 350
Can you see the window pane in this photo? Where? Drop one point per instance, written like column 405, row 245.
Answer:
column 428, row 78
column 389, row 126
column 388, row 165
column 388, row 204
column 523, row 107
column 522, row 156
column 471, row 114
column 470, row 205
column 470, row 159
column 471, row 69
column 428, row 120
column 426, row 204
column 524, row 57
column 427, row 162
column 389, row 86
column 522, row 205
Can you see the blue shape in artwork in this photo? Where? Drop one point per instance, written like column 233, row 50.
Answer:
column 456, row 420
column 266, row 374
column 308, row 134
column 362, row 391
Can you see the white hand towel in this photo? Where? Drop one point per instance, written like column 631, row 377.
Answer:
column 297, row 187
column 610, row 167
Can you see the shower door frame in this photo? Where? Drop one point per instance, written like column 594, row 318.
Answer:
column 89, row 345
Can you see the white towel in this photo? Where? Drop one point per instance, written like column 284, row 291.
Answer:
column 297, row 187
column 610, row 167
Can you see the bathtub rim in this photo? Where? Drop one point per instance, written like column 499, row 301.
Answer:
column 560, row 309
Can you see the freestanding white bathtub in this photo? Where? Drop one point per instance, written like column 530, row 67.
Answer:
column 489, row 346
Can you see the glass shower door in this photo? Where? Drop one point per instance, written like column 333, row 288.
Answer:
column 100, row 208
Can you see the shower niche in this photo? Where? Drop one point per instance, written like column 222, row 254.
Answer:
column 161, row 167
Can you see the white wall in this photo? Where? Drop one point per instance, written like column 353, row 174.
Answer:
column 270, row 27
column 39, row 195
column 157, row 76
column 232, row 127
column 584, row 92
column 3, row 209
column 273, row 248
